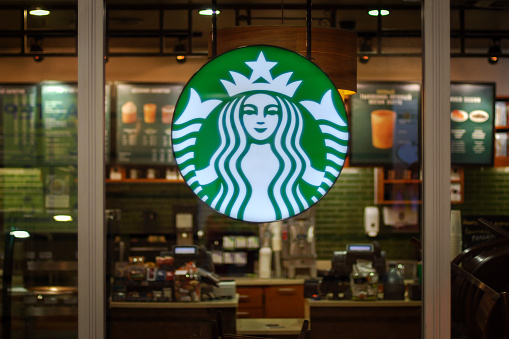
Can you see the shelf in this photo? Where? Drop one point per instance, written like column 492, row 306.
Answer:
column 410, row 189
column 145, row 181
column 51, row 265
column 401, row 202
column 387, row 189
column 501, row 161
column 402, row 181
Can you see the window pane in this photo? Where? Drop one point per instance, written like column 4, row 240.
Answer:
column 38, row 173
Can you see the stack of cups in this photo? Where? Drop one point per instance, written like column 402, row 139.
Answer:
column 456, row 242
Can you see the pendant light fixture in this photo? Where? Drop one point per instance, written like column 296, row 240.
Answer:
column 365, row 51
column 494, row 51
column 333, row 50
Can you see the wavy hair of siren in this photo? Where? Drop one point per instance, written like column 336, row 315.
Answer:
column 232, row 199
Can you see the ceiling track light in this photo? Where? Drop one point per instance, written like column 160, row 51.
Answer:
column 181, row 49
column 495, row 51
column 36, row 48
column 365, row 51
column 376, row 12
column 208, row 11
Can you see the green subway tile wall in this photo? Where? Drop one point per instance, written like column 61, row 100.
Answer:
column 340, row 218
column 486, row 192
column 339, row 215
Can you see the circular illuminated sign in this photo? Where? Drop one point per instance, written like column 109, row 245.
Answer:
column 260, row 134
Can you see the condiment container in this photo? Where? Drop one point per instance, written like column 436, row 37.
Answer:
column 394, row 285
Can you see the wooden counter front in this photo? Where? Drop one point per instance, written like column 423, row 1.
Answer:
column 168, row 319
column 364, row 319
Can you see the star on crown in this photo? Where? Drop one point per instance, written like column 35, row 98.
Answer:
column 261, row 70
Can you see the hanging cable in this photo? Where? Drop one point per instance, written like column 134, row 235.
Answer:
column 214, row 28
column 282, row 12
column 308, row 29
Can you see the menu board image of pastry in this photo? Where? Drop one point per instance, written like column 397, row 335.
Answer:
column 472, row 123
column 144, row 117
column 385, row 124
column 129, row 112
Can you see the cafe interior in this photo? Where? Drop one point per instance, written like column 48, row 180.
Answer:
column 105, row 234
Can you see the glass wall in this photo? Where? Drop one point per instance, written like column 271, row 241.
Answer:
column 39, row 155
column 134, row 205
column 153, row 209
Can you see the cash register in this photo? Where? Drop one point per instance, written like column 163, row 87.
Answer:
column 336, row 282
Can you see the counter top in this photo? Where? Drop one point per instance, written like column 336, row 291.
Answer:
column 223, row 303
column 374, row 303
column 248, row 281
column 269, row 326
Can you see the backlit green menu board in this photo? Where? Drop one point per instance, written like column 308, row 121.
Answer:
column 472, row 123
column 20, row 132
column 385, row 124
column 22, row 190
column 107, row 122
column 59, row 106
column 144, row 115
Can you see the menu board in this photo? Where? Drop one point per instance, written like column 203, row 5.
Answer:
column 22, row 190
column 107, row 122
column 472, row 123
column 144, row 117
column 385, row 124
column 20, row 140
column 58, row 182
column 59, row 106
column 474, row 233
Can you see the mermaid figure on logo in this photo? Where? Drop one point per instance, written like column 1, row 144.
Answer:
column 259, row 163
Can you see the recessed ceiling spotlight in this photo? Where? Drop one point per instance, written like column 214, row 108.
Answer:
column 208, row 11
column 39, row 12
column 62, row 218
column 374, row 12
column 20, row 234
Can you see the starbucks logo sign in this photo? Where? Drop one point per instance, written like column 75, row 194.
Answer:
column 260, row 134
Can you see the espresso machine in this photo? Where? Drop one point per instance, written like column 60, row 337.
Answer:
column 299, row 253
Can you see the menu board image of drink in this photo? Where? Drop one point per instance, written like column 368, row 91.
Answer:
column 144, row 117
column 472, row 123
column 385, row 124
column 59, row 106
column 20, row 138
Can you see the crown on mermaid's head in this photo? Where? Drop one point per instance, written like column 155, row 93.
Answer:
column 261, row 69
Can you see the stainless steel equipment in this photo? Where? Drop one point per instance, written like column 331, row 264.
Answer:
column 299, row 253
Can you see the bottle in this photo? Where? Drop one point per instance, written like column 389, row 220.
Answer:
column 394, row 285
column 265, row 261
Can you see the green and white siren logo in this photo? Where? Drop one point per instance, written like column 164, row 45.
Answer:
column 260, row 134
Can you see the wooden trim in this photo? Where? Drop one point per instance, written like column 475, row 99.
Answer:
column 334, row 50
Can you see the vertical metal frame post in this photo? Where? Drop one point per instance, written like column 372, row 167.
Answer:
column 91, row 229
column 436, row 170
